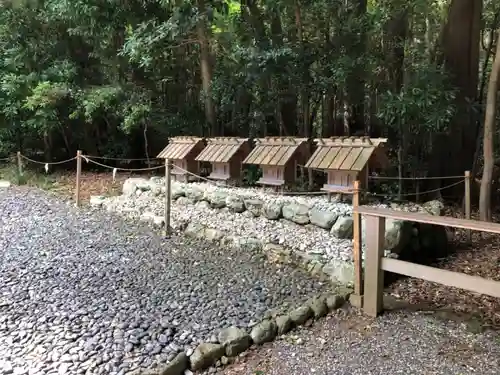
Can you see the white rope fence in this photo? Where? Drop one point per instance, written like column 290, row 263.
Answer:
column 168, row 168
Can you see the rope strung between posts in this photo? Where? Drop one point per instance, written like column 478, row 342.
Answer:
column 390, row 177
column 413, row 178
column 89, row 160
column 47, row 163
column 121, row 159
column 415, row 194
column 231, row 186
column 200, row 177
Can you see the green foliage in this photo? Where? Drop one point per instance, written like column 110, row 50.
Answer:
column 104, row 75
column 425, row 103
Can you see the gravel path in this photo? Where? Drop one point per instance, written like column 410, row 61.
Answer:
column 347, row 343
column 83, row 292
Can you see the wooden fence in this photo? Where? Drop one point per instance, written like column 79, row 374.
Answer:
column 376, row 263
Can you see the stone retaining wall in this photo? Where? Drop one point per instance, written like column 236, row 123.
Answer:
column 330, row 220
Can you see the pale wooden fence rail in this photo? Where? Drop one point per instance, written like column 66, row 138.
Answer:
column 376, row 263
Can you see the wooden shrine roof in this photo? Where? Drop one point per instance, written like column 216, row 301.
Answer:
column 346, row 153
column 274, row 150
column 221, row 149
column 179, row 147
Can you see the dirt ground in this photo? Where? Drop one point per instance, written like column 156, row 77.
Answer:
column 398, row 342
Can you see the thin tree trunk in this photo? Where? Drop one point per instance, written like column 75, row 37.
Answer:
column 482, row 87
column 206, row 69
column 489, row 131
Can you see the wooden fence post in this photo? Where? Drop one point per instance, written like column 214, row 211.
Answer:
column 19, row 167
column 356, row 298
column 78, row 177
column 168, row 196
column 374, row 275
column 467, row 203
column 417, row 188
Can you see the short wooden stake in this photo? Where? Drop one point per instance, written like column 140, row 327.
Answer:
column 19, row 167
column 467, row 203
column 78, row 177
column 168, row 196
column 374, row 276
column 357, row 298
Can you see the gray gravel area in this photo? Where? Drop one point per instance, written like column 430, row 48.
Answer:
column 347, row 343
column 84, row 292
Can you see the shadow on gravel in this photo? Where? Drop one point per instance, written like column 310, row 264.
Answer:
column 86, row 292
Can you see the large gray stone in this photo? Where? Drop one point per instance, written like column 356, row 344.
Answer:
column 235, row 340
column 322, row 219
column 343, row 227
column 264, row 332
column 318, row 306
column 272, row 210
column 334, row 301
column 4, row 184
column 202, row 205
column 284, row 324
column 254, row 206
column 434, row 207
column 398, row 235
column 235, row 203
column 176, row 191
column 339, row 271
column 134, row 183
column 194, row 194
column 301, row 314
column 217, row 199
column 177, row 366
column 205, row 355
column 298, row 213
column 156, row 190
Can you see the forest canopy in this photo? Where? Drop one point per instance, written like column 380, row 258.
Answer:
column 116, row 78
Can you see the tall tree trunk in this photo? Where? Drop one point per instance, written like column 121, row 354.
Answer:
column 489, row 131
column 304, row 93
column 356, row 79
column 206, row 69
column 460, row 51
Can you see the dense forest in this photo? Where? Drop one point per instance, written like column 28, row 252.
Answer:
column 116, row 78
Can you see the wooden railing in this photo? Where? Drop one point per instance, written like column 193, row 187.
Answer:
column 376, row 263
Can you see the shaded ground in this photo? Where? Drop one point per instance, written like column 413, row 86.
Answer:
column 480, row 259
column 84, row 292
column 346, row 343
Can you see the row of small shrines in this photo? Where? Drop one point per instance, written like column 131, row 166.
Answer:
column 344, row 159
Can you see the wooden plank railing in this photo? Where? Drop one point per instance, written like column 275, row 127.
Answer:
column 376, row 263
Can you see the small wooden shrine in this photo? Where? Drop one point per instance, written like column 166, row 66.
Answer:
column 347, row 159
column 182, row 151
column 226, row 155
column 278, row 158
